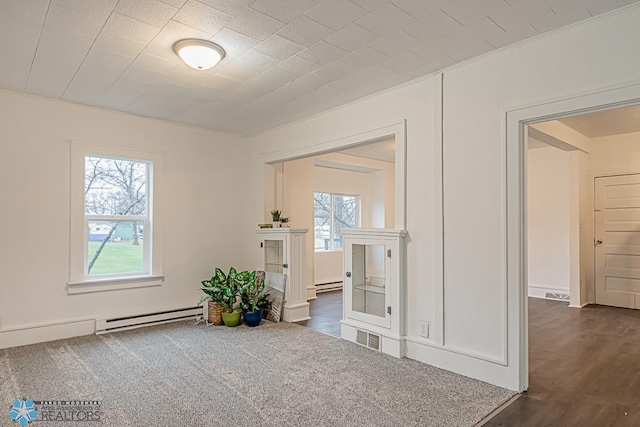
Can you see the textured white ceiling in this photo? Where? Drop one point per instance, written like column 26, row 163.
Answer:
column 606, row 123
column 286, row 59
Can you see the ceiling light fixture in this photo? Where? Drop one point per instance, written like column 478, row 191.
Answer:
column 198, row 54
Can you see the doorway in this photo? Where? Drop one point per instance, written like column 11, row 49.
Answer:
column 326, row 194
column 357, row 183
column 570, row 355
column 517, row 122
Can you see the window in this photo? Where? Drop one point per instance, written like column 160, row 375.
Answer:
column 116, row 216
column 332, row 213
column 113, row 243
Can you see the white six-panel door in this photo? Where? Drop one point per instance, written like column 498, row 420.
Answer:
column 617, row 240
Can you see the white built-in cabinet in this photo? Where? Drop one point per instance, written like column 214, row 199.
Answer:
column 282, row 250
column 374, row 289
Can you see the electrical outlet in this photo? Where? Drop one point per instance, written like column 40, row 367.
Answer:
column 424, row 329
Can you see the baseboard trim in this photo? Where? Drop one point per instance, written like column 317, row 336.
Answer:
column 311, row 293
column 579, row 306
column 471, row 365
column 453, row 349
column 33, row 334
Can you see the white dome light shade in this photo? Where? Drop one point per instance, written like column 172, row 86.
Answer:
column 198, row 54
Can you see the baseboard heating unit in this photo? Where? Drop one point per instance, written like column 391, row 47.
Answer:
column 116, row 324
column 328, row 287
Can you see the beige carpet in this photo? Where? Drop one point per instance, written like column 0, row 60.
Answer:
column 182, row 374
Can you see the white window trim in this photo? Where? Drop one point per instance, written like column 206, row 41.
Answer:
column 332, row 224
column 78, row 281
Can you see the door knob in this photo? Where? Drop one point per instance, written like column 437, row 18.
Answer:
column 348, row 274
column 598, row 242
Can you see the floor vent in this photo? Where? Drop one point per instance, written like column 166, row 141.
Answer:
column 116, row 324
column 557, row 296
column 368, row 339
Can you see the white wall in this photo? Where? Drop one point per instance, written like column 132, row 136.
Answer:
column 206, row 221
column 549, row 219
column 379, row 190
column 581, row 239
column 617, row 154
column 556, row 134
column 478, row 334
column 297, row 204
column 327, row 267
column 329, row 180
column 379, row 217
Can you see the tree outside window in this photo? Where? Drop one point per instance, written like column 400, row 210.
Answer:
column 116, row 216
column 333, row 213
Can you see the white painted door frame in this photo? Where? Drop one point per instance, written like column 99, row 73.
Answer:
column 517, row 118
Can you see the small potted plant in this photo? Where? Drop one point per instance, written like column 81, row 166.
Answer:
column 223, row 290
column 230, row 315
column 284, row 220
column 275, row 217
column 213, row 289
column 253, row 299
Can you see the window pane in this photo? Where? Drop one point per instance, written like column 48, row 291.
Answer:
column 322, row 222
column 345, row 216
column 115, row 187
column 115, row 247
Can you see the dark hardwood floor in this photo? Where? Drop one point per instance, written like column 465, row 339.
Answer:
column 584, row 368
column 326, row 313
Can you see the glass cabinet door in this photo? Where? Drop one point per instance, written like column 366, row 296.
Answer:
column 274, row 256
column 369, row 290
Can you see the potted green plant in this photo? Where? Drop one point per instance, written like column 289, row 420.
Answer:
column 253, row 299
column 230, row 315
column 223, row 289
column 275, row 217
column 213, row 289
column 284, row 220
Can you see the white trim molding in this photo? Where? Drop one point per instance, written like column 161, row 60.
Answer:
column 102, row 285
column 42, row 332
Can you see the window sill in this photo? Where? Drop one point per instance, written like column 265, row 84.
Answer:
column 114, row 284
